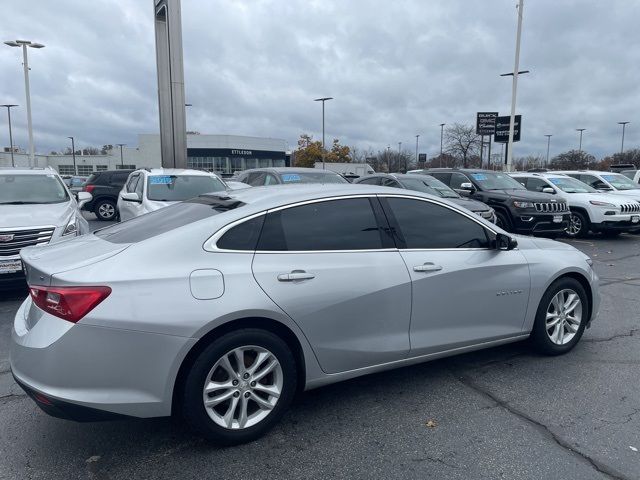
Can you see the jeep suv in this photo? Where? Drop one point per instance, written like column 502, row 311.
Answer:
column 517, row 209
column 105, row 186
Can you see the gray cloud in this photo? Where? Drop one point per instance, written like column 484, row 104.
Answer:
column 396, row 69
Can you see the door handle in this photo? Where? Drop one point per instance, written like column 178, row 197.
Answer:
column 295, row 275
column 427, row 267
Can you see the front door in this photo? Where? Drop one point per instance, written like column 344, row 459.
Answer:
column 464, row 292
column 331, row 267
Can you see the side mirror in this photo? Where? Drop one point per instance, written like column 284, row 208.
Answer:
column 548, row 190
column 83, row 197
column 505, row 242
column 468, row 186
column 131, row 197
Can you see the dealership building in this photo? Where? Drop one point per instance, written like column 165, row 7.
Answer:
column 224, row 154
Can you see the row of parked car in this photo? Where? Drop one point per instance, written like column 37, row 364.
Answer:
column 221, row 307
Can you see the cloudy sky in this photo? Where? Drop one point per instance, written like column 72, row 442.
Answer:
column 396, row 69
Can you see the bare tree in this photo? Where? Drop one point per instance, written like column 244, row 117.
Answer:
column 462, row 142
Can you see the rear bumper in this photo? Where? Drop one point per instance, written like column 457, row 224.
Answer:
column 78, row 367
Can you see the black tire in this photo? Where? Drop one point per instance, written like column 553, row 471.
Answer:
column 540, row 339
column 105, row 210
column 503, row 221
column 578, row 225
column 192, row 405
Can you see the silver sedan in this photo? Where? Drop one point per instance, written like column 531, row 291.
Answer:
column 221, row 308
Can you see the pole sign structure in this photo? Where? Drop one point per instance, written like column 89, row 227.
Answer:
column 502, row 129
column 486, row 123
column 173, row 126
column 422, row 158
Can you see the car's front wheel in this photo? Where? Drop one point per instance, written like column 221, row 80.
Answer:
column 239, row 386
column 578, row 225
column 561, row 317
column 503, row 221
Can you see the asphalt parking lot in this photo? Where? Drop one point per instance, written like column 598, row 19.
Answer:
column 500, row 413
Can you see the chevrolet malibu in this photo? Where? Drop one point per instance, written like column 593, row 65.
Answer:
column 221, row 308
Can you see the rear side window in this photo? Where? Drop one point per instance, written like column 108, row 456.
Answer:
column 243, row 236
column 119, row 178
column 175, row 216
column 348, row 224
column 426, row 225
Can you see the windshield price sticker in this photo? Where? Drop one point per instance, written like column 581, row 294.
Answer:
column 291, row 177
column 160, row 180
column 479, row 176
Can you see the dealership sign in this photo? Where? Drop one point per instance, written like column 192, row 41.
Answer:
column 502, row 129
column 422, row 157
column 486, row 123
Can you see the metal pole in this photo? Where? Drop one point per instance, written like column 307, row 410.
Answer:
column 489, row 153
column 323, row 149
column 580, row 130
column 441, row 137
column 73, row 152
column 624, row 124
column 9, row 107
column 25, row 63
column 121, row 157
column 417, row 136
column 481, row 148
column 548, row 145
column 388, row 159
column 514, row 87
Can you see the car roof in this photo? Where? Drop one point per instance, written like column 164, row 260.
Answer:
column 28, row 171
column 467, row 170
column 538, row 174
column 290, row 170
column 176, row 171
column 265, row 197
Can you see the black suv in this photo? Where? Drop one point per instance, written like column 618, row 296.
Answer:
column 105, row 186
column 517, row 209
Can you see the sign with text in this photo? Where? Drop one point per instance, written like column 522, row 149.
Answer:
column 422, row 157
column 502, row 129
column 486, row 123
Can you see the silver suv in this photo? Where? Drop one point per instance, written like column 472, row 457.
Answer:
column 36, row 208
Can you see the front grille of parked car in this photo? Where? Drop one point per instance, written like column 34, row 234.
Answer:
column 552, row 207
column 630, row 208
column 12, row 241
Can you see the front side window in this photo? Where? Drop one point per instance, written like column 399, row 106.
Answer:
column 348, row 224
column 421, row 224
column 535, row 184
column 132, row 182
column 30, row 189
column 457, row 179
column 177, row 188
column 270, row 180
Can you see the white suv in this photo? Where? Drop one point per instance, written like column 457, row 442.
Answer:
column 607, row 182
column 149, row 190
column 590, row 209
column 36, row 208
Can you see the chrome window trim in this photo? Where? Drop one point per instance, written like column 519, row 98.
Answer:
column 210, row 245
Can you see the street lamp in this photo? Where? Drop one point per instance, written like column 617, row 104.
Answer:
column 441, row 137
column 548, row 145
column 121, row 158
column 25, row 62
column 580, row 130
column 624, row 124
column 9, row 106
column 417, row 136
column 73, row 152
column 323, row 99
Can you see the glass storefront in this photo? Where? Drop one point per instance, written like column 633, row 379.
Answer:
column 226, row 162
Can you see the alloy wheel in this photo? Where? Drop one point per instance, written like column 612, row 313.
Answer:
column 106, row 210
column 243, row 387
column 575, row 225
column 564, row 315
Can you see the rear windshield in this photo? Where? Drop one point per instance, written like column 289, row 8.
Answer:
column 312, row 177
column 176, row 188
column 175, row 216
column 429, row 185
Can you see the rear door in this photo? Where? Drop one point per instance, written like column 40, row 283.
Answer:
column 332, row 267
column 464, row 292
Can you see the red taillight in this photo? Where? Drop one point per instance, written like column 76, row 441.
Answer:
column 68, row 303
column 88, row 188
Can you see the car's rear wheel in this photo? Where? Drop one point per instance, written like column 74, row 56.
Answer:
column 105, row 210
column 239, row 386
column 561, row 317
column 578, row 225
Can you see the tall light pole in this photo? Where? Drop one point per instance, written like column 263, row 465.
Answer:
column 417, row 137
column 624, row 124
column 580, row 130
column 25, row 63
column 548, row 145
column 73, row 152
column 514, row 85
column 323, row 99
column 121, row 157
column 9, row 106
column 441, row 138
column 388, row 159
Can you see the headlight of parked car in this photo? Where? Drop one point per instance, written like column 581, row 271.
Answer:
column 524, row 204
column 601, row 204
column 72, row 227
